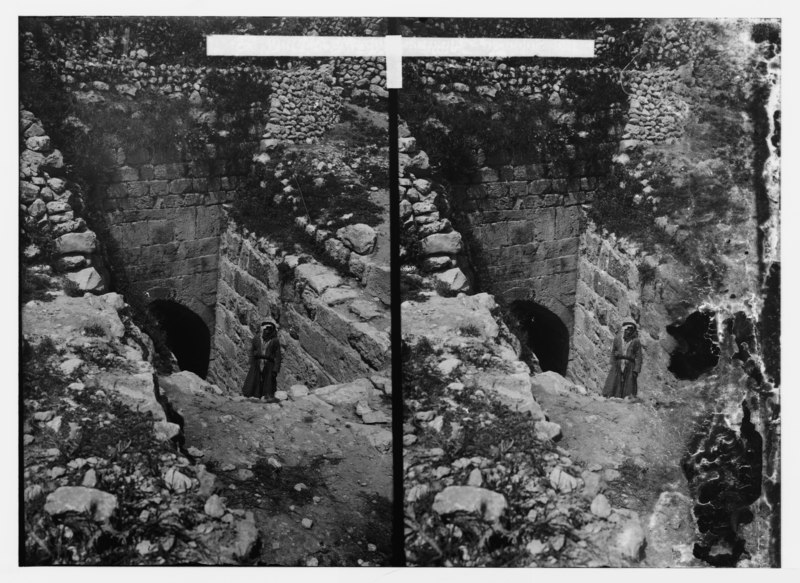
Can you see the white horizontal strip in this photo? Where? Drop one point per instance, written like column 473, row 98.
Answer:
column 365, row 46
column 497, row 47
column 235, row 45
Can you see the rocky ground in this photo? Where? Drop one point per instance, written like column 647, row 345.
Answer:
column 505, row 468
column 116, row 474
column 316, row 475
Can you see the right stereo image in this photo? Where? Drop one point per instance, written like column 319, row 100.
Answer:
column 590, row 296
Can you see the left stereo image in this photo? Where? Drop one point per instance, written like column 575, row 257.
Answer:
column 205, row 356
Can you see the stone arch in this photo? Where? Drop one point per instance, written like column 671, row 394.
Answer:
column 187, row 335
column 544, row 332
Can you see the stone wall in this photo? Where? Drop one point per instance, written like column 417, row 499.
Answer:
column 429, row 237
column 610, row 288
column 304, row 103
column 361, row 78
column 330, row 329
column 524, row 225
column 166, row 218
column 50, row 206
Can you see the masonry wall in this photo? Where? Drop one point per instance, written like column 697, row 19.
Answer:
column 166, row 219
column 524, row 224
column 610, row 288
column 330, row 331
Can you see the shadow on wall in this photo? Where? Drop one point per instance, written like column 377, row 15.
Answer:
column 188, row 336
column 543, row 333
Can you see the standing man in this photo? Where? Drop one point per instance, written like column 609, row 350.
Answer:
column 265, row 363
column 626, row 363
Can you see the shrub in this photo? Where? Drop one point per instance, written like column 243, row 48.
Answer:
column 71, row 289
column 94, row 330
column 470, row 330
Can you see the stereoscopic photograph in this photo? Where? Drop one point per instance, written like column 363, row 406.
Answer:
column 204, row 296
column 590, row 288
column 477, row 311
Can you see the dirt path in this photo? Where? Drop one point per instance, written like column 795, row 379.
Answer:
column 291, row 463
column 638, row 444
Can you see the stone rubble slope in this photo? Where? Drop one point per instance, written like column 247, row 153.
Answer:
column 481, row 460
column 88, row 387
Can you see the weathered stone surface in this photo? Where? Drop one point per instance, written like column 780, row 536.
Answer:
column 442, row 243
column 38, row 143
column 437, row 263
column 548, row 430
column 378, row 437
column 177, row 481
column 58, row 185
column 562, row 481
column 96, row 503
column 373, row 345
column 377, row 281
column 30, row 162
column 85, row 243
column 337, row 251
column 337, row 295
column 317, row 277
column 360, row 238
column 375, row 417
column 214, row 507
column 631, row 541
column 186, row 382
column 592, row 484
column 136, row 390
column 346, row 394
column 475, row 478
column 37, row 209
column 485, row 503
column 298, row 391
column 407, row 145
column 554, row 383
column 88, row 280
column 247, row 536
column 600, row 506
column 454, row 280
column 670, row 529
column 65, row 318
column 513, row 390
column 58, row 206
column 28, row 191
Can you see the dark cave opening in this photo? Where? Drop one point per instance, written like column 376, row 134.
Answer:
column 698, row 349
column 543, row 333
column 187, row 335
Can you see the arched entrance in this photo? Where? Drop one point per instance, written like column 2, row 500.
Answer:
column 543, row 333
column 187, row 335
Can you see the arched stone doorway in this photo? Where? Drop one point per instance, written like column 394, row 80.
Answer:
column 187, row 335
column 543, row 333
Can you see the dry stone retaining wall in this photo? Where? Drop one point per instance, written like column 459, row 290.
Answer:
column 48, row 204
column 305, row 103
column 423, row 207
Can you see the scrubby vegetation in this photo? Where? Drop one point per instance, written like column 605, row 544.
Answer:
column 100, row 435
column 477, row 431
